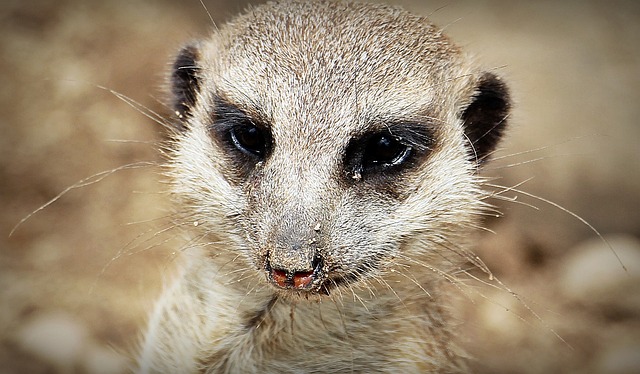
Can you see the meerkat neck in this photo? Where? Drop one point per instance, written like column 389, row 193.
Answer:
column 256, row 330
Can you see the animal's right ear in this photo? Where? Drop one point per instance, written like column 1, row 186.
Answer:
column 185, row 82
column 485, row 118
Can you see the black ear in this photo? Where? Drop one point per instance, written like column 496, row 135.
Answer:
column 486, row 117
column 185, row 82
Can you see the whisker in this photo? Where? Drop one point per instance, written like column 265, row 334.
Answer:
column 95, row 178
column 574, row 215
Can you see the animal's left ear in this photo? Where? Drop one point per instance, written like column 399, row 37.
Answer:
column 485, row 118
column 185, row 82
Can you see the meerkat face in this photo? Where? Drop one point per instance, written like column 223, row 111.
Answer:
column 322, row 139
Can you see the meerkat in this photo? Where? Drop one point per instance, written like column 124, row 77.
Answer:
column 325, row 158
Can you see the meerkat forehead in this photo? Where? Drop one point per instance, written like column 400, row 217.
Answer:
column 341, row 65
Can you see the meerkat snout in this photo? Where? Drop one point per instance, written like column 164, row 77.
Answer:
column 294, row 260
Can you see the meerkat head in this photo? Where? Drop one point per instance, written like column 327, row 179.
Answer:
column 324, row 142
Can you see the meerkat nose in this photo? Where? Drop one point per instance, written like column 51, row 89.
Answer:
column 302, row 279
column 279, row 277
column 298, row 280
column 292, row 278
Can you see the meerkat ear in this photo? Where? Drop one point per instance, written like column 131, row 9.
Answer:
column 185, row 82
column 485, row 118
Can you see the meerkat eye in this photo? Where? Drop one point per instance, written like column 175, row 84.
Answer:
column 241, row 133
column 384, row 150
column 249, row 139
column 381, row 152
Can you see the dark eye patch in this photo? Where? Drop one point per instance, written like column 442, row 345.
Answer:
column 388, row 150
column 245, row 137
column 384, row 150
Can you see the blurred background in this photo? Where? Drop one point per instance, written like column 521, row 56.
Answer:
column 78, row 277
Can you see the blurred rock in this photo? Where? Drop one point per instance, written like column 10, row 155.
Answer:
column 64, row 342
column 619, row 359
column 594, row 275
column 103, row 360
column 55, row 338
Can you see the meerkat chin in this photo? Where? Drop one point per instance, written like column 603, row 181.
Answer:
column 328, row 152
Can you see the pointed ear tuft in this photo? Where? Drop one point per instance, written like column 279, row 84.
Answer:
column 185, row 82
column 485, row 118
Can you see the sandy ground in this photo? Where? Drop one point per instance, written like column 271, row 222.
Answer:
column 78, row 277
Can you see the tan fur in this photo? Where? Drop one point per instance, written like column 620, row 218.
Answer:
column 320, row 74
